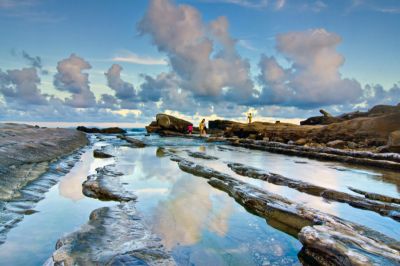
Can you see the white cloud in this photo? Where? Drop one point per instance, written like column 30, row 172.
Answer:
column 129, row 57
column 314, row 78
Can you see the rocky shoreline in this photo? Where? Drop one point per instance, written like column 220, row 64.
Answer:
column 32, row 159
column 366, row 138
column 326, row 239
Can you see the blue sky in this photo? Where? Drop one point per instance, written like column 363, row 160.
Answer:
column 194, row 58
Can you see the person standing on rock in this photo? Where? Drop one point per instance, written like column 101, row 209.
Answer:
column 202, row 127
column 249, row 117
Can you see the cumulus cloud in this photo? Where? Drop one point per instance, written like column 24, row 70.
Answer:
column 20, row 86
column 123, row 90
column 70, row 78
column 376, row 94
column 313, row 79
column 205, row 71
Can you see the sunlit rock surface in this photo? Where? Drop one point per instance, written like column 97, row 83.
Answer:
column 113, row 236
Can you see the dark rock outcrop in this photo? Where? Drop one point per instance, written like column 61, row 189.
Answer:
column 110, row 130
column 393, row 144
column 327, row 239
column 101, row 154
column 134, row 142
column 325, row 119
column 106, row 185
column 113, row 236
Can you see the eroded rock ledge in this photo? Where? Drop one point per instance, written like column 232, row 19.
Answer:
column 113, row 236
column 25, row 150
column 326, row 239
column 389, row 160
column 106, row 185
column 385, row 209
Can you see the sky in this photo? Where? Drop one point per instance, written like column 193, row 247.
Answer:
column 125, row 61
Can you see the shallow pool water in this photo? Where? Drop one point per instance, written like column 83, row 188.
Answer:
column 199, row 224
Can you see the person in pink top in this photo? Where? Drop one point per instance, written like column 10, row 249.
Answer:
column 190, row 129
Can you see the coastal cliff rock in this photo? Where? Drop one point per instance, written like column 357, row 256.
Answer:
column 379, row 128
column 113, row 236
column 109, row 130
column 168, row 123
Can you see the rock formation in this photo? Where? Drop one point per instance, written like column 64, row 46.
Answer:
column 134, row 142
column 113, row 236
column 390, row 210
column 168, row 124
column 26, row 150
column 105, row 185
column 326, row 239
column 109, row 130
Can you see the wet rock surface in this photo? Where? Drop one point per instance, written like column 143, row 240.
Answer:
column 25, row 149
column 326, row 239
column 12, row 211
column 376, row 196
column 390, row 210
column 113, row 236
column 134, row 142
column 109, row 130
column 106, row 185
column 201, row 155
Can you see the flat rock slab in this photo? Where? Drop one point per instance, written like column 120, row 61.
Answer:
column 113, row 236
column 106, row 185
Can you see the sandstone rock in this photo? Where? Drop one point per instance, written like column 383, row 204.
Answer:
column 172, row 123
column 301, row 141
column 110, row 130
column 338, row 144
column 394, row 141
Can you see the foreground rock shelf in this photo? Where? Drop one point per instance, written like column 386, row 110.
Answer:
column 385, row 209
column 326, row 239
column 113, row 236
column 25, row 152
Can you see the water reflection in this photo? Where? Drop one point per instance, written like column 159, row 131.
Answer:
column 70, row 185
column 180, row 219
